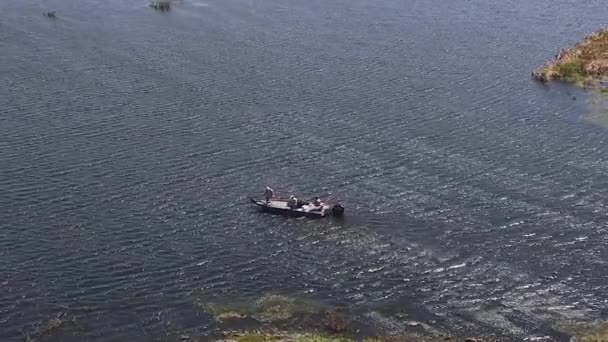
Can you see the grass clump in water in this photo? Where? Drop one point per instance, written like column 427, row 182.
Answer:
column 571, row 71
column 229, row 315
column 581, row 64
column 161, row 5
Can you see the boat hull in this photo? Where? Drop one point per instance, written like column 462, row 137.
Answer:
column 280, row 206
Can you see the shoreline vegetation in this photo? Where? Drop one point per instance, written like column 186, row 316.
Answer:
column 585, row 64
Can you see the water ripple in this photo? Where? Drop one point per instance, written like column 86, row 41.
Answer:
column 129, row 153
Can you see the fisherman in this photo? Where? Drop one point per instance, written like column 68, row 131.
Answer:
column 268, row 194
column 315, row 204
column 293, row 202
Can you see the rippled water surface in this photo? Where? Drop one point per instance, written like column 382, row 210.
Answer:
column 131, row 139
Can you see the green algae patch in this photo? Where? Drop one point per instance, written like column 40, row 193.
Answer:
column 584, row 64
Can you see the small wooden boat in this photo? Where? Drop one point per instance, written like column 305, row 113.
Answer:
column 302, row 208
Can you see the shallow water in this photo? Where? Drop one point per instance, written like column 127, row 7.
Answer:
column 131, row 139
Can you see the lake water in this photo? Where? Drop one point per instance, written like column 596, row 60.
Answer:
column 131, row 140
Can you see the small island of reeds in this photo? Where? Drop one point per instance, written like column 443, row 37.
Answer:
column 584, row 64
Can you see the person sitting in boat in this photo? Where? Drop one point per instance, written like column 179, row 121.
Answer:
column 293, row 202
column 314, row 205
column 268, row 194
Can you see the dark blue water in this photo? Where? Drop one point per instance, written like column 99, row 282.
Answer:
column 131, row 139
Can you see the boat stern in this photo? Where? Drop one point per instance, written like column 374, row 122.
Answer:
column 337, row 210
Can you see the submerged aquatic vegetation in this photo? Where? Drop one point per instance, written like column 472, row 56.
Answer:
column 271, row 308
column 283, row 337
column 226, row 311
column 592, row 332
column 581, row 64
column 228, row 315
column 336, row 322
column 267, row 308
column 278, row 317
column 47, row 328
column 257, row 336
column 597, row 107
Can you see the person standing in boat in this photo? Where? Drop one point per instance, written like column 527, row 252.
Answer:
column 268, row 194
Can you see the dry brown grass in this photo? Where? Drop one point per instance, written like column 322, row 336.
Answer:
column 581, row 63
